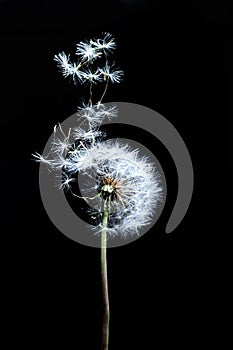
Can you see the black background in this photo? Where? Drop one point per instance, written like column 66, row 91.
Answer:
column 165, row 290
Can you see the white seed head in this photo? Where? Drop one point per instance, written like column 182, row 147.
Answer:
column 129, row 183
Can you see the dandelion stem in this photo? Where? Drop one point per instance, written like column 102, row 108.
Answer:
column 106, row 315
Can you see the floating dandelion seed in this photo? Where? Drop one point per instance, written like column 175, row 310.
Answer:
column 115, row 75
column 90, row 135
column 60, row 146
column 90, row 116
column 65, row 183
column 107, row 43
column 39, row 158
column 87, row 52
column 69, row 69
column 92, row 76
column 63, row 63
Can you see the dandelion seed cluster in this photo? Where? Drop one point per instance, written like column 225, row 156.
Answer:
column 119, row 181
column 87, row 53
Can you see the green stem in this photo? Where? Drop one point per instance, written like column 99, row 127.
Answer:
column 106, row 316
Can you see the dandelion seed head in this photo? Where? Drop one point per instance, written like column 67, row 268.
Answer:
column 127, row 182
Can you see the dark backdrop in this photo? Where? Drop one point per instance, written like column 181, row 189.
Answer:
column 165, row 290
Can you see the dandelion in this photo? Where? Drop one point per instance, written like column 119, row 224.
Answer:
column 123, row 188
